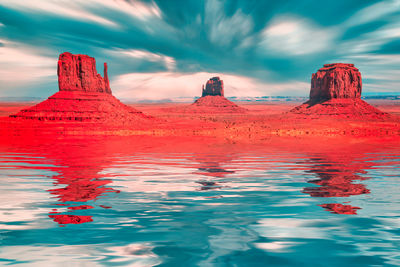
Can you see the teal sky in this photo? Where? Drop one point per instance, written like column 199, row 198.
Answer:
column 168, row 49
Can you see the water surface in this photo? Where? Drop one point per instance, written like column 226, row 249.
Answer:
column 139, row 202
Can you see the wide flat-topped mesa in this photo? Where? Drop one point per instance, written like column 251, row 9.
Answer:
column 337, row 80
column 336, row 91
column 83, row 96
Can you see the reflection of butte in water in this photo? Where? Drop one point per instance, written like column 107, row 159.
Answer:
column 80, row 165
column 336, row 178
column 211, row 167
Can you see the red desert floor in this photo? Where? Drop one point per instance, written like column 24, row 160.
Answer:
column 261, row 121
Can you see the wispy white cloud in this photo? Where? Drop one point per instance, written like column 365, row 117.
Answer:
column 371, row 41
column 161, row 85
column 389, row 75
column 135, row 8
column 373, row 12
column 21, row 65
column 71, row 8
column 169, row 62
column 377, row 59
column 295, row 36
column 224, row 29
column 85, row 10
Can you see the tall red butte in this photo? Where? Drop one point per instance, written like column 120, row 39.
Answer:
column 83, row 96
column 336, row 91
column 212, row 99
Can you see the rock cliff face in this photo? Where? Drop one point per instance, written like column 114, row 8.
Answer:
column 336, row 80
column 83, row 96
column 214, row 86
column 78, row 73
column 336, row 91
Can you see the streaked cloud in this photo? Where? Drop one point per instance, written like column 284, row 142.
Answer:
column 293, row 36
column 169, row 62
column 136, row 8
column 21, row 65
column 373, row 12
column 268, row 46
column 70, row 8
column 170, row 85
column 223, row 29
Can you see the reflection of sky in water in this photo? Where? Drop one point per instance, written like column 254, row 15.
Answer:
column 197, row 208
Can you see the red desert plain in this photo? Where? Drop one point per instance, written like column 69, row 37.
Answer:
column 84, row 105
column 93, row 141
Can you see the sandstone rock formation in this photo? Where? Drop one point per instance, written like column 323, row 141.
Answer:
column 78, row 73
column 336, row 91
column 83, row 96
column 213, row 100
column 214, row 86
column 336, row 80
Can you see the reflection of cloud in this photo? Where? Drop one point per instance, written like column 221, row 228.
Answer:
column 139, row 254
column 17, row 210
column 71, row 255
column 276, row 246
column 291, row 228
column 16, row 207
column 160, row 85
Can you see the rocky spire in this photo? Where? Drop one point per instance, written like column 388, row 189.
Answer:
column 78, row 73
column 83, row 96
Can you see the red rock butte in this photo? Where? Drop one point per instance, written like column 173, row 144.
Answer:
column 213, row 100
column 336, row 91
column 83, row 96
column 78, row 73
column 214, row 86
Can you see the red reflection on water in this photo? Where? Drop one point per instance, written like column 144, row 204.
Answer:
column 81, row 207
column 80, row 189
column 340, row 209
column 79, row 165
column 71, row 219
column 210, row 167
column 337, row 177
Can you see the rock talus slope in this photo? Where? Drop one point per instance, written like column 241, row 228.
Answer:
column 83, row 96
column 213, row 100
column 336, row 91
